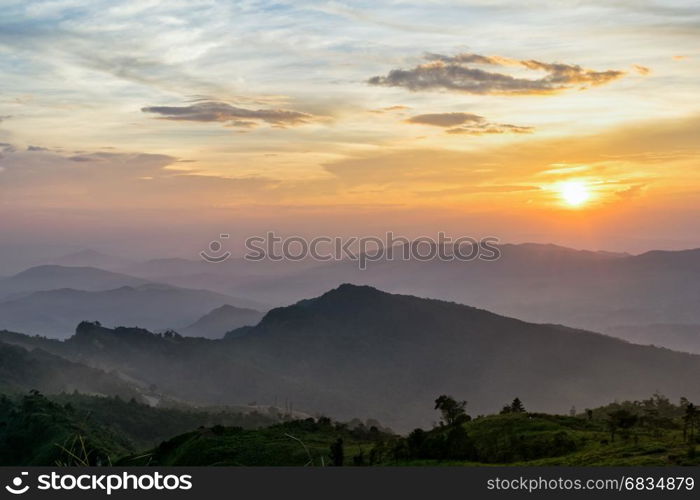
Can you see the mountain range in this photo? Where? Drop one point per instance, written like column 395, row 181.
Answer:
column 599, row 291
column 635, row 297
column 51, row 277
column 51, row 300
column 356, row 351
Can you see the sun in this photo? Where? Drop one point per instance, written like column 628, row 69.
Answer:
column 574, row 193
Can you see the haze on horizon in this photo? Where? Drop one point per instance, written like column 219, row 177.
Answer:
column 151, row 127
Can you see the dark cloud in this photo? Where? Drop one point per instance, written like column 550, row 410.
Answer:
column 37, row 149
column 214, row 111
column 6, row 147
column 445, row 119
column 467, row 123
column 456, row 73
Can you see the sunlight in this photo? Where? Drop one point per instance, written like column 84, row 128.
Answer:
column 574, row 193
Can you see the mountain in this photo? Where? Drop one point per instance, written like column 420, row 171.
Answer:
column 92, row 258
column 540, row 283
column 221, row 320
column 359, row 352
column 55, row 313
column 22, row 370
column 223, row 277
column 677, row 337
column 51, row 277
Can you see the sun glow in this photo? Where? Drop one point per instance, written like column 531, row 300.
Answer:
column 574, row 193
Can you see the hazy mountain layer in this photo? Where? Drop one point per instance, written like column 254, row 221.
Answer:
column 51, row 277
column 215, row 324
column 539, row 283
column 55, row 313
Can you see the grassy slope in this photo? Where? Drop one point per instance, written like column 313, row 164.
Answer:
column 86, row 430
column 296, row 443
column 507, row 440
column 36, row 431
column 500, row 439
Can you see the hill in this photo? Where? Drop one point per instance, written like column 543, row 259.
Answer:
column 215, row 324
column 677, row 337
column 651, row 432
column 37, row 431
column 51, row 277
column 22, row 370
column 77, row 429
column 223, row 277
column 599, row 291
column 92, row 258
column 74, row 429
column 295, row 443
column 56, row 312
column 359, row 352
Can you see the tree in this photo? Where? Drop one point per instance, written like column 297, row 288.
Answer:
column 337, row 453
column 359, row 459
column 376, row 454
column 459, row 445
column 620, row 419
column 517, row 406
column 452, row 411
column 689, row 421
column 415, row 441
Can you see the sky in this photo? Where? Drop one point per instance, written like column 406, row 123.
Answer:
column 150, row 127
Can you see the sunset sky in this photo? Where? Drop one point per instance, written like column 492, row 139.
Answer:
column 152, row 126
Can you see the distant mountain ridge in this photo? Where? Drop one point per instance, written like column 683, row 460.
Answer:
column 92, row 258
column 602, row 291
column 23, row 369
column 216, row 323
column 51, row 277
column 540, row 283
column 56, row 312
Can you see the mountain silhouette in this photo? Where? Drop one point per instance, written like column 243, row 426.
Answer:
column 599, row 291
column 51, row 277
column 215, row 324
column 55, row 313
column 92, row 258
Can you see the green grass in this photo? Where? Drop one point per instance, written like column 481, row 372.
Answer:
column 299, row 443
column 525, row 440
